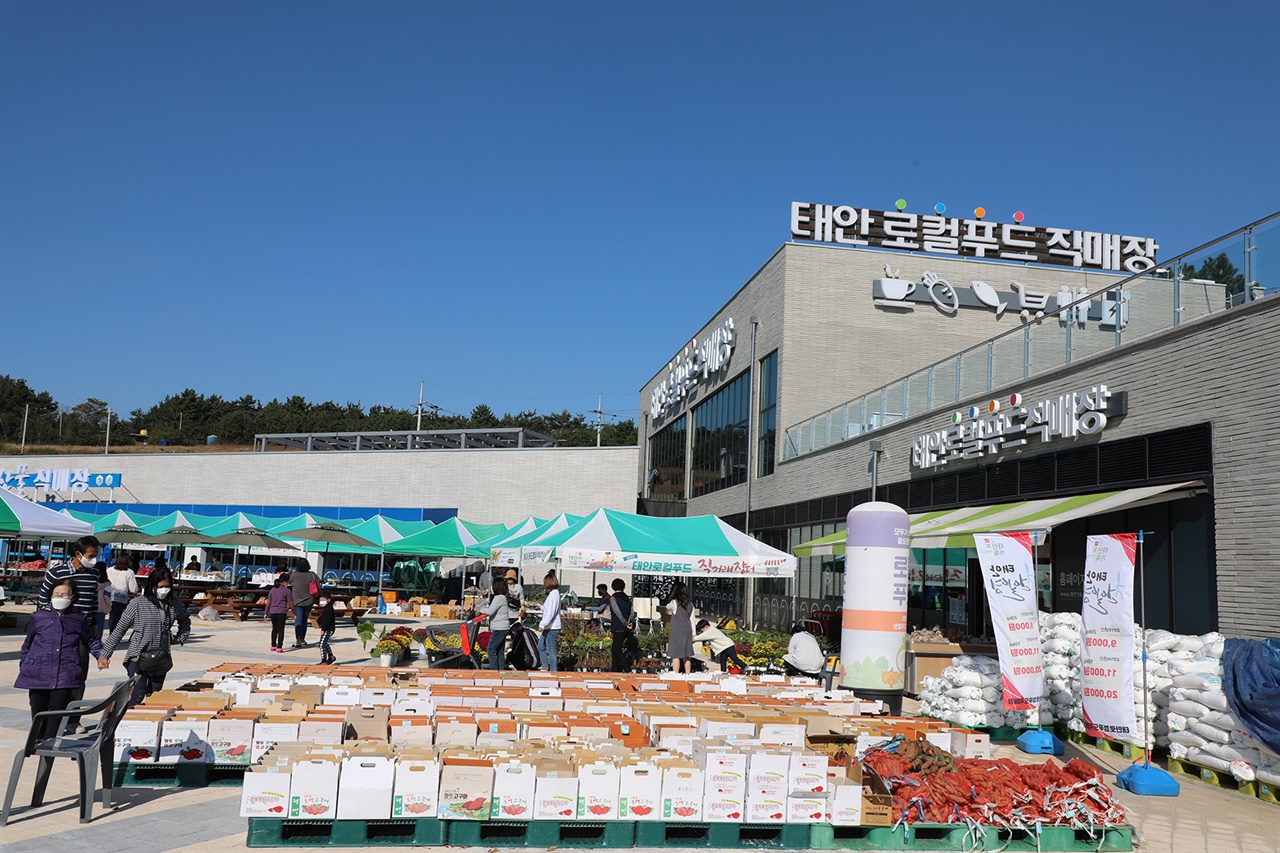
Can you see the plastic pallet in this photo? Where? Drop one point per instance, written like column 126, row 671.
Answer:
column 225, row 775
column 141, row 775
column 1269, row 793
column 271, row 832
column 541, row 833
column 659, row 833
column 1211, row 776
column 782, row 836
column 1061, row 839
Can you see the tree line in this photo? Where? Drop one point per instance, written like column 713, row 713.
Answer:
column 187, row 418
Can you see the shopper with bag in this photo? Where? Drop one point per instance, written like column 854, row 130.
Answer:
column 124, row 584
column 680, row 640
column 620, row 626
column 498, row 611
column 151, row 616
column 305, row 586
column 550, row 624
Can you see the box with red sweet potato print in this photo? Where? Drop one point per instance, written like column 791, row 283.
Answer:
column 313, row 790
column 184, row 738
column 514, row 784
column 231, row 736
column 682, row 785
column 598, row 785
column 466, row 787
column 556, row 792
column 138, row 736
column 639, row 790
column 417, row 790
column 266, row 791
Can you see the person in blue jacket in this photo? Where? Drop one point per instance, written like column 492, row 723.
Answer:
column 57, row 638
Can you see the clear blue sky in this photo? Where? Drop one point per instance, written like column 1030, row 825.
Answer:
column 528, row 203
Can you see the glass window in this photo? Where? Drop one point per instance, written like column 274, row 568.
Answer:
column 720, row 438
column 768, row 429
column 667, row 462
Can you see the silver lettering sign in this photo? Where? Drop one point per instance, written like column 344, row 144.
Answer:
column 696, row 363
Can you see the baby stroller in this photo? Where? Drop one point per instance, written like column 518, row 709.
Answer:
column 524, row 653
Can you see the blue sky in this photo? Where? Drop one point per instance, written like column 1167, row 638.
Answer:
column 528, row 203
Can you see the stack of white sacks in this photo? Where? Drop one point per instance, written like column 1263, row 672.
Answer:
column 1185, row 708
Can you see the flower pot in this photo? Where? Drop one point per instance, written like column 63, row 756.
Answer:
column 386, row 660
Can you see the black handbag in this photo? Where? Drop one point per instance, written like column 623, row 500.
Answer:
column 154, row 662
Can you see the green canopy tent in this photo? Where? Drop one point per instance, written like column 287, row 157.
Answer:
column 515, row 549
column 383, row 531
column 237, row 530
column 700, row 546
column 450, row 538
column 122, row 528
column 22, row 519
column 310, row 528
column 483, row 548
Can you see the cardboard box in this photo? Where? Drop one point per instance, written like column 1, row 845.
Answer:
column 267, row 734
column 365, row 787
column 465, row 790
column 313, row 788
column 339, row 694
column 381, row 695
column 412, row 729
column 455, row 731
column 556, row 794
column 808, row 808
column 877, row 804
column 807, row 774
column 783, row 734
column 682, row 785
column 846, row 801
column 237, row 689
column 367, row 722
column 322, row 729
column 514, row 786
column 969, row 744
column 639, row 791
column 138, row 736
column 184, row 738
column 266, row 791
column 598, row 789
column 231, row 738
column 724, row 771
column 417, row 787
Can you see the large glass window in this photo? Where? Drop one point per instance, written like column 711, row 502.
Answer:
column 720, row 438
column 768, row 429
column 666, row 462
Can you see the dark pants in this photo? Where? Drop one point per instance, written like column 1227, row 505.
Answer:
column 326, row 653
column 730, row 654
column 277, row 630
column 621, row 663
column 51, row 700
column 791, row 670
column 101, row 625
column 147, row 684
column 117, row 610
column 498, row 650
column 302, row 616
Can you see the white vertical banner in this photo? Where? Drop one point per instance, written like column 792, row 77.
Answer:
column 1107, row 657
column 1010, row 580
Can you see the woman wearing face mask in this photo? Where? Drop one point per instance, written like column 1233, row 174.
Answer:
column 57, row 637
column 151, row 616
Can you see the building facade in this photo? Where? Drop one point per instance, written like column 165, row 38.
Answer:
column 860, row 348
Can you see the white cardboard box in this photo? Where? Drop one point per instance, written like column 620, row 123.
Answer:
column 185, row 742
column 417, row 788
column 365, row 787
column 313, row 789
column 640, row 791
column 812, row 808
column 767, row 805
column 807, row 774
column 556, row 794
column 598, row 786
column 138, row 740
column 342, row 694
column 463, row 784
column 230, row 741
column 236, row 688
column 682, row 793
column 265, row 792
column 514, row 785
column 267, row 735
column 321, row 731
column 846, row 805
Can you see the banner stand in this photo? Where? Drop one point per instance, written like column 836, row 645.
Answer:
column 1037, row 741
column 1144, row 779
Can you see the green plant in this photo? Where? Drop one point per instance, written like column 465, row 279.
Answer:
column 386, row 647
column 365, row 632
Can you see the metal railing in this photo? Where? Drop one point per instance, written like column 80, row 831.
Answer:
column 1233, row 270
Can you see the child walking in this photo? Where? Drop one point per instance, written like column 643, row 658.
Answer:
column 279, row 605
column 328, row 623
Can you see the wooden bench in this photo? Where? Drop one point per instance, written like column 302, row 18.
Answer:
column 354, row 612
column 240, row 611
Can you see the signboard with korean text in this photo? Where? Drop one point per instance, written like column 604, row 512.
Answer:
column 43, row 480
column 1106, row 657
column 990, row 429
column 1010, row 583
column 695, row 364
column 847, row 225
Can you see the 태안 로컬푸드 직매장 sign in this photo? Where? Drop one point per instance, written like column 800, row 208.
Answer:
column 846, row 225
column 22, row 478
column 695, row 364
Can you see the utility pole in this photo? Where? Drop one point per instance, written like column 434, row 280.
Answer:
column 421, row 385
column 599, row 416
column 106, row 451
column 25, row 412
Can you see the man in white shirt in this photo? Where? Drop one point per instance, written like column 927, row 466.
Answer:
column 804, row 656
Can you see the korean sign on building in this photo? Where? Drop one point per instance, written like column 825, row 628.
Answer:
column 1109, row 309
column 944, row 235
column 696, row 363
column 44, row 480
column 991, row 429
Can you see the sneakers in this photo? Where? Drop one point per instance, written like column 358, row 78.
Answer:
column 275, row 648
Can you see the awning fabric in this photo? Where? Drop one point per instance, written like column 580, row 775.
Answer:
column 954, row 528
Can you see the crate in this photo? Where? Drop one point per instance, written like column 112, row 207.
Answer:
column 658, row 833
column 782, row 836
column 1211, row 776
column 136, row 775
column 1061, row 839
column 271, row 832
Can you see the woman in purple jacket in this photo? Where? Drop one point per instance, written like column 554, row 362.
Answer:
column 279, row 603
column 56, row 636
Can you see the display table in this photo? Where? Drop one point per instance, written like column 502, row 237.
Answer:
column 925, row 659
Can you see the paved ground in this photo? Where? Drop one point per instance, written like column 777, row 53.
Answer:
column 1202, row 820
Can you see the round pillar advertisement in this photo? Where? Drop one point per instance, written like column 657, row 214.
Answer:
column 873, row 639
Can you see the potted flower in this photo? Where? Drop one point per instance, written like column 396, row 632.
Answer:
column 387, row 652
column 420, row 636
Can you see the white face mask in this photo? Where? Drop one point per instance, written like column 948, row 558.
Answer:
column 162, row 592
column 88, row 562
column 61, row 603
column 324, row 603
